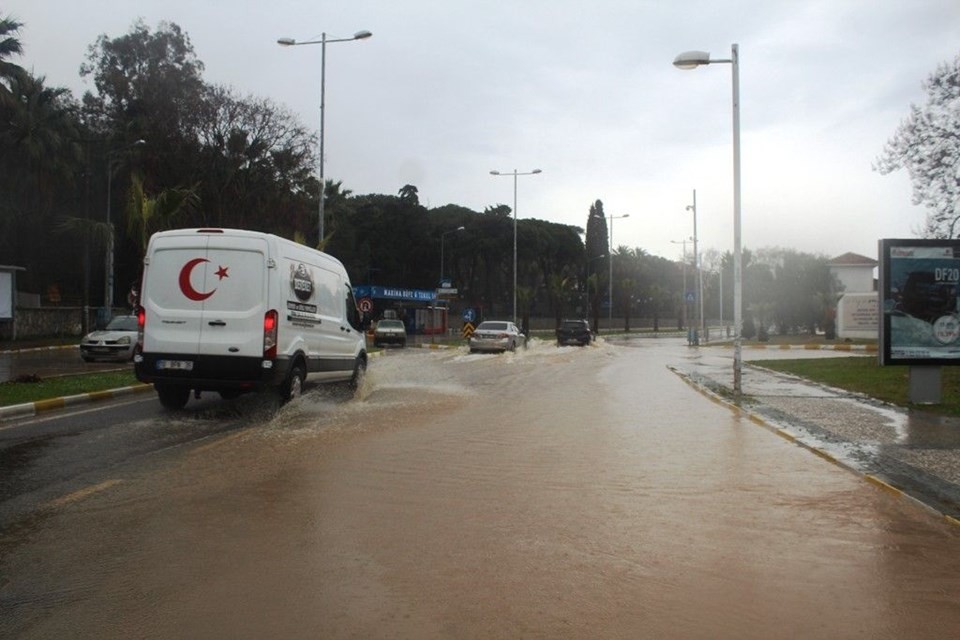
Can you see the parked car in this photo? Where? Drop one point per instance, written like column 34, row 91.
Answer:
column 574, row 332
column 496, row 336
column 390, row 332
column 116, row 341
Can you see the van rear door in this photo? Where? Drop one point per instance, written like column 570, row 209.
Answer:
column 205, row 294
column 235, row 280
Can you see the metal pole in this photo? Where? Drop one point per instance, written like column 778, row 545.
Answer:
column 696, row 264
column 737, row 265
column 514, row 246
column 721, row 297
column 610, row 282
column 323, row 87
column 108, row 267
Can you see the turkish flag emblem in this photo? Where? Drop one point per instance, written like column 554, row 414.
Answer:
column 188, row 289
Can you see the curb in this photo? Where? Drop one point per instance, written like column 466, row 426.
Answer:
column 50, row 348
column 792, row 438
column 814, row 347
column 40, row 406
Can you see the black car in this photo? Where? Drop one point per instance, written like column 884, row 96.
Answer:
column 574, row 332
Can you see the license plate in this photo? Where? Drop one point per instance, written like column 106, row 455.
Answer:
column 175, row 365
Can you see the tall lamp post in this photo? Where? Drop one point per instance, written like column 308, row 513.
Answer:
column 515, row 173
column 442, row 236
column 692, row 60
column 684, row 271
column 108, row 267
column 610, row 274
column 697, row 267
column 323, row 41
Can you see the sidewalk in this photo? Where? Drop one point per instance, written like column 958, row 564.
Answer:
column 909, row 453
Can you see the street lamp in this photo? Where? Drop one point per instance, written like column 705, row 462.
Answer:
column 691, row 60
column 442, row 236
column 696, row 265
column 108, row 267
column 515, row 173
column 683, row 268
column 610, row 274
column 291, row 42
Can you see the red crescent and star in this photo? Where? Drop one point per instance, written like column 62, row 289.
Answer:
column 188, row 289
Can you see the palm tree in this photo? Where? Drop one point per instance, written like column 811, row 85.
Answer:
column 9, row 46
column 146, row 215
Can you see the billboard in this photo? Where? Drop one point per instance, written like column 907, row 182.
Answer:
column 919, row 282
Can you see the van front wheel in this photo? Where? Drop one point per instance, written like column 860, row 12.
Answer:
column 293, row 385
column 172, row 396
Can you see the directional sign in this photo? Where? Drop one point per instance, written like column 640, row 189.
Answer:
column 469, row 314
column 467, row 329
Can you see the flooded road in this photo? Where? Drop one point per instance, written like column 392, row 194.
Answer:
column 551, row 493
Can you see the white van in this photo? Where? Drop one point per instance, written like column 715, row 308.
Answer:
column 232, row 311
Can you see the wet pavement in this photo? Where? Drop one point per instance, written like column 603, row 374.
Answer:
column 912, row 451
column 549, row 493
column 47, row 362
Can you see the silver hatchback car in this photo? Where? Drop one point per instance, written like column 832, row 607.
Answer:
column 495, row 335
column 115, row 342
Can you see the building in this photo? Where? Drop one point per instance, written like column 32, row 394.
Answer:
column 857, row 309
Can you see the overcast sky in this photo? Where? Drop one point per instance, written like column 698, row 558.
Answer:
column 447, row 90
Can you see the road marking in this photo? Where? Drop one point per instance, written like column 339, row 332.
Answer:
column 77, row 496
column 33, row 419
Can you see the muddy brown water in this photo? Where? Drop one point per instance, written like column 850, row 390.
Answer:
column 551, row 493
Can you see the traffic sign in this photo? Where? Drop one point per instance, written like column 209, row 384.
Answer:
column 365, row 305
column 469, row 314
column 467, row 329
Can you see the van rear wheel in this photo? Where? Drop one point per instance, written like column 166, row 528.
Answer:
column 292, row 387
column 359, row 371
column 173, row 397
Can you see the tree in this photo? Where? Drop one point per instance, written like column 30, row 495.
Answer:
column 149, row 86
column 9, row 46
column 927, row 145
column 147, row 214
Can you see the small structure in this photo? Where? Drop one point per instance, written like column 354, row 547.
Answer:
column 858, row 313
column 854, row 272
column 8, row 301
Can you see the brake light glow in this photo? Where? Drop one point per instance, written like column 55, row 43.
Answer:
column 141, row 324
column 270, row 323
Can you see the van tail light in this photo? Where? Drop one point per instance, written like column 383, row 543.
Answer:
column 141, row 324
column 270, row 322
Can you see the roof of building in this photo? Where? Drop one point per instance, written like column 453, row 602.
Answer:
column 852, row 260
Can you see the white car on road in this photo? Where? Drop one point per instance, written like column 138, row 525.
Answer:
column 494, row 335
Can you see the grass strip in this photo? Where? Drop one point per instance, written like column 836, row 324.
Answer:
column 13, row 392
column 863, row 375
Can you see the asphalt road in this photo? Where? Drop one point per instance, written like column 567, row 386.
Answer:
column 568, row 492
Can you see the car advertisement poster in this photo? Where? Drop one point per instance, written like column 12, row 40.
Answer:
column 919, row 282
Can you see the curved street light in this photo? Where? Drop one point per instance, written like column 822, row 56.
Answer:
column 515, row 173
column 323, row 41
column 692, row 60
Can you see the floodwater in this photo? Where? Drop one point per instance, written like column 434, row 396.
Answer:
column 551, row 493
